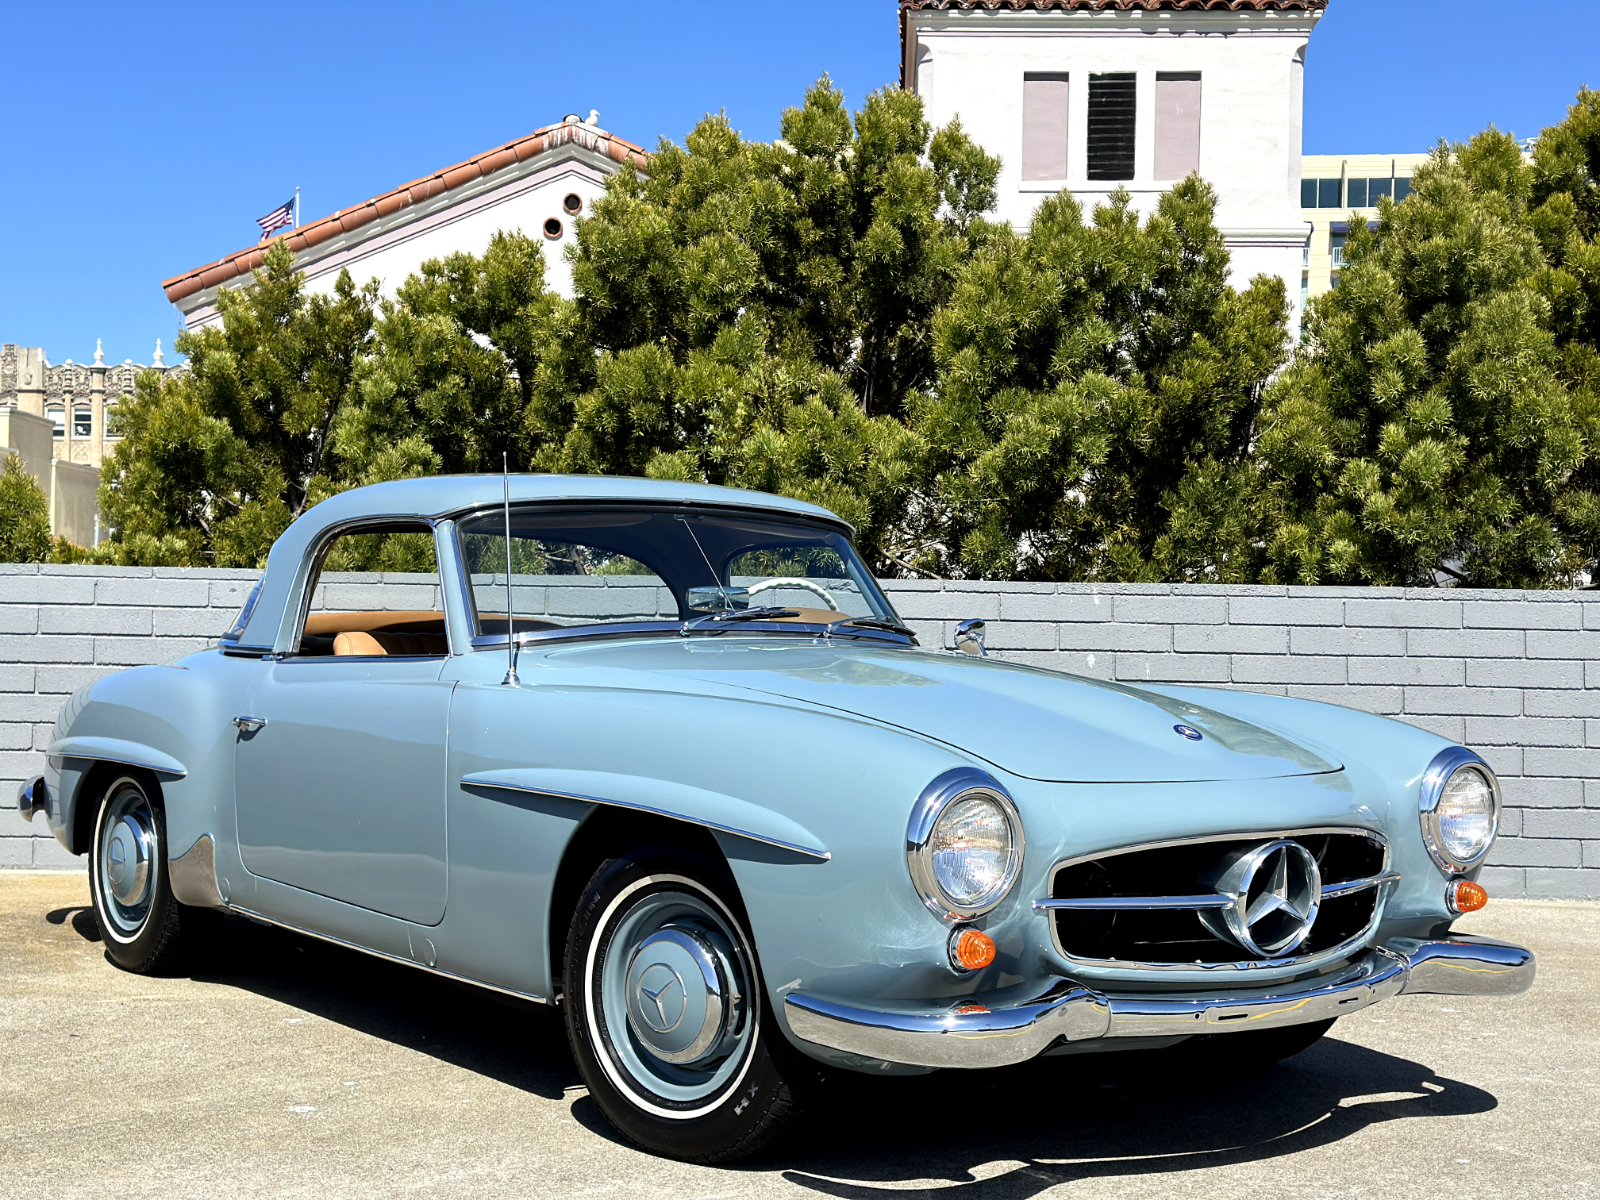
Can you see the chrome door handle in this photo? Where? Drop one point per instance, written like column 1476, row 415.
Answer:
column 250, row 724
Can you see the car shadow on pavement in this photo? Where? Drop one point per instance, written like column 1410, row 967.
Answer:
column 80, row 917
column 1103, row 1116
column 1044, row 1123
column 516, row 1043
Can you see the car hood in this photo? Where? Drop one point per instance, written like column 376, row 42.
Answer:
column 1034, row 723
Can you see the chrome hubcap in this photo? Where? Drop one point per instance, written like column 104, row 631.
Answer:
column 672, row 1006
column 679, row 996
column 127, row 853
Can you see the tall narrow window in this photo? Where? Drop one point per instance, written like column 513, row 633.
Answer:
column 1044, row 126
column 1177, row 123
column 1113, row 108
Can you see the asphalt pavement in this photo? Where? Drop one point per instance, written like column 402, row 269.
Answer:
column 281, row 1066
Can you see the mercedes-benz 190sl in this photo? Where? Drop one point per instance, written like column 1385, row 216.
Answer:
column 664, row 754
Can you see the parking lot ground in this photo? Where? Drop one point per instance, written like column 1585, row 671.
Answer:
column 282, row 1066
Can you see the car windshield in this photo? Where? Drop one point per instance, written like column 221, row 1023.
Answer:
column 642, row 568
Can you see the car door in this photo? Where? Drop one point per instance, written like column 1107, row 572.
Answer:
column 339, row 772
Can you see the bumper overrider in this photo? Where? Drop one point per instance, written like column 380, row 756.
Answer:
column 974, row 1034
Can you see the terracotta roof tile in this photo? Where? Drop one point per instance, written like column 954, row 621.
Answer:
column 550, row 137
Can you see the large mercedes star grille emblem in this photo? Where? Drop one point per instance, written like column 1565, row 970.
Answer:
column 1273, row 892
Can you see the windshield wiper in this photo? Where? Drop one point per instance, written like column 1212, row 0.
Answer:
column 762, row 612
column 873, row 623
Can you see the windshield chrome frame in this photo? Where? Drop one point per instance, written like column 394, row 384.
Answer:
column 678, row 627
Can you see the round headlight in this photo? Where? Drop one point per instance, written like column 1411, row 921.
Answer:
column 964, row 844
column 1460, row 809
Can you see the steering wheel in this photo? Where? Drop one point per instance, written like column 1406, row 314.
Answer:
column 794, row 582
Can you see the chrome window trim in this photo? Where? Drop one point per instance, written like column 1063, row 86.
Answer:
column 1384, row 881
column 1445, row 764
column 307, row 575
column 942, row 792
column 621, row 628
column 324, row 659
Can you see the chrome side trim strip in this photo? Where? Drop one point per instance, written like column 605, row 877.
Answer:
column 394, row 958
column 808, row 851
column 114, row 750
column 193, row 875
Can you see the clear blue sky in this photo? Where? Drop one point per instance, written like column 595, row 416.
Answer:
column 143, row 139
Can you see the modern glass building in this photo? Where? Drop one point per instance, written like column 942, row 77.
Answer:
column 1335, row 189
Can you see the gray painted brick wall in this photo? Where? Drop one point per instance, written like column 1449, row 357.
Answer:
column 1516, row 675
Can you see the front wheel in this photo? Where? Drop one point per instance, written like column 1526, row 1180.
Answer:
column 140, row 921
column 665, row 1014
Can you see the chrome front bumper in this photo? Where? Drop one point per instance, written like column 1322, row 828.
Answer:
column 971, row 1034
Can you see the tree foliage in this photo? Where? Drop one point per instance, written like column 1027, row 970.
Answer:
column 24, row 515
column 1442, row 418
column 833, row 316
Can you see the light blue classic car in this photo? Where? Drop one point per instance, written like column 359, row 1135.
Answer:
column 664, row 754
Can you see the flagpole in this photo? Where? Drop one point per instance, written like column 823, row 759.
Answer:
column 297, row 208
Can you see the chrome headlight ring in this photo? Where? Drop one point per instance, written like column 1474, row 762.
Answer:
column 961, row 783
column 1444, row 767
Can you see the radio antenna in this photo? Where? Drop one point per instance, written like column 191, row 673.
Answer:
column 511, row 627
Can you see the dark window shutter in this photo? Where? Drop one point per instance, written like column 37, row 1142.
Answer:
column 1113, row 109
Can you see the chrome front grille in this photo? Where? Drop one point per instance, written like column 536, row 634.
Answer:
column 1161, row 906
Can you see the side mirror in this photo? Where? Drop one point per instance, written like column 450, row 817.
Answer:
column 717, row 599
column 969, row 637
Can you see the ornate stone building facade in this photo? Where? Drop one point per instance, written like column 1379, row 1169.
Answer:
column 61, row 420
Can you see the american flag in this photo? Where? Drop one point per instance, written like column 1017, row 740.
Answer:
column 276, row 219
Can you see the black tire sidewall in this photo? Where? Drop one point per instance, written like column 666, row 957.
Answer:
column 748, row 1115
column 151, row 946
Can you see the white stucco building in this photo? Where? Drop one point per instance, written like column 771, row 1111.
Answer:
column 537, row 184
column 1090, row 95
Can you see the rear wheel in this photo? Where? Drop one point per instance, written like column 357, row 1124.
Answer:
column 665, row 1012
column 140, row 921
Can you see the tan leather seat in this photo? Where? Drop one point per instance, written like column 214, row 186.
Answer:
column 353, row 642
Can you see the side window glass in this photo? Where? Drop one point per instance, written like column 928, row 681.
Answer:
column 556, row 581
column 377, row 596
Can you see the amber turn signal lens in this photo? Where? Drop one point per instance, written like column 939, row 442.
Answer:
column 1466, row 896
column 971, row 949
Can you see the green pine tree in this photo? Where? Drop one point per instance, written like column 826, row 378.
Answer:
column 215, row 462
column 24, row 515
